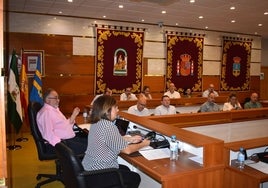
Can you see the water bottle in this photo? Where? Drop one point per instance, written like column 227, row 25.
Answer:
column 85, row 115
column 241, row 158
column 174, row 147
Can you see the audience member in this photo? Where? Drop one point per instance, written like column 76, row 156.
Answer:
column 54, row 127
column 140, row 108
column 146, row 92
column 172, row 93
column 188, row 93
column 209, row 90
column 106, row 92
column 253, row 103
column 105, row 142
column 210, row 105
column 232, row 103
column 127, row 95
column 165, row 108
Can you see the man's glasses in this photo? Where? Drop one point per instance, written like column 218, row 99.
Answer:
column 56, row 98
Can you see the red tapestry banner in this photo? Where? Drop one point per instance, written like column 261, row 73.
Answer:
column 235, row 69
column 184, row 62
column 119, row 60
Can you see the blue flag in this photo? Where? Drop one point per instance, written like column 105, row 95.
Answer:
column 36, row 91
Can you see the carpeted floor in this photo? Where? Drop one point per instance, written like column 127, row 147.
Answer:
column 24, row 165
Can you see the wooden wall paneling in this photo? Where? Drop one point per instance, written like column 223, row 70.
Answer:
column 69, row 85
column 206, row 80
column 58, row 44
column 255, row 84
column 75, row 65
column 156, row 84
column 264, row 84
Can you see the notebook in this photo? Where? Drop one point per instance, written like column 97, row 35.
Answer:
column 122, row 126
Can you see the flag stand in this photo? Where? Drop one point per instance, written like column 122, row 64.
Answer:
column 13, row 146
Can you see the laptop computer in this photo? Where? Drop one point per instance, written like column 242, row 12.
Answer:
column 122, row 126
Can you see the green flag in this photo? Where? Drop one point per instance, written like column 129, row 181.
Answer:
column 14, row 103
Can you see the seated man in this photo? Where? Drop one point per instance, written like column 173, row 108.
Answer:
column 127, row 95
column 171, row 93
column 54, row 127
column 209, row 90
column 210, row 105
column 140, row 108
column 106, row 92
column 165, row 108
column 232, row 103
column 253, row 103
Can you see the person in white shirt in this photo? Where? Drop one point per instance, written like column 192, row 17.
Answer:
column 165, row 108
column 209, row 90
column 232, row 103
column 172, row 93
column 107, row 92
column 127, row 95
column 140, row 108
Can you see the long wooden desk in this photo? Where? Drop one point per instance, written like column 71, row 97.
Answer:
column 124, row 105
column 179, row 174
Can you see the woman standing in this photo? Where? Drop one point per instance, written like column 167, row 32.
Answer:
column 105, row 141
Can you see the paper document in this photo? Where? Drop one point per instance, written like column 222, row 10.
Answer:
column 155, row 153
column 261, row 166
column 197, row 159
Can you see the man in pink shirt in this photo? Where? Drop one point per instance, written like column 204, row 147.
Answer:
column 54, row 126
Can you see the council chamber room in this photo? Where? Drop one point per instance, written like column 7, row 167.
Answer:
column 134, row 93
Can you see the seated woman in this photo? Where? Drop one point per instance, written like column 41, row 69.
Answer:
column 105, row 141
column 146, row 92
column 232, row 103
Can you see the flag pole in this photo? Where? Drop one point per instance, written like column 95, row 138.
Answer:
column 13, row 145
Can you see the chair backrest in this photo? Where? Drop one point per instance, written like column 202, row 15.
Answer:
column 71, row 167
column 44, row 149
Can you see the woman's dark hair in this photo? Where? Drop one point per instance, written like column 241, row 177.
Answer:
column 101, row 108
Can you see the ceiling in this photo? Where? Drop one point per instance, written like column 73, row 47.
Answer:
column 216, row 14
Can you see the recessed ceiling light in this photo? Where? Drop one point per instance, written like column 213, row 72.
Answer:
column 142, row 20
column 206, row 27
column 70, row 1
column 232, row 8
column 60, row 12
column 233, row 21
column 121, row 6
column 192, row 1
column 259, row 25
column 256, row 33
column 200, row 17
column 104, row 16
column 176, row 24
column 164, row 12
column 266, row 13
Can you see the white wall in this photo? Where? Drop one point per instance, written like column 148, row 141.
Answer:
column 83, row 31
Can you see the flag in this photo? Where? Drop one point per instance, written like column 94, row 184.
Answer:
column 14, row 103
column 24, row 93
column 36, row 91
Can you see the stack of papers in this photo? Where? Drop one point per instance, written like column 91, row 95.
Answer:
column 261, row 166
column 152, row 154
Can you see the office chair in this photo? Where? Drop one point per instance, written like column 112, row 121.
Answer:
column 44, row 149
column 74, row 175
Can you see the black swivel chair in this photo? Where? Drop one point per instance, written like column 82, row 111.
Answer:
column 45, row 151
column 74, row 175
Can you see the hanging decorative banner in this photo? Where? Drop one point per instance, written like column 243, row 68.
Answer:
column 184, row 62
column 119, row 60
column 235, row 69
